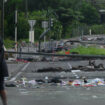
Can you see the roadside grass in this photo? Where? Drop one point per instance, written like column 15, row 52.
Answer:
column 86, row 51
column 89, row 50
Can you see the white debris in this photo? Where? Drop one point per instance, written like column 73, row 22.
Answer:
column 11, row 59
column 33, row 82
column 75, row 71
column 94, row 96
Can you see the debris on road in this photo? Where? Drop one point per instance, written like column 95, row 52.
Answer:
column 52, row 69
column 84, row 82
column 92, row 66
column 10, row 85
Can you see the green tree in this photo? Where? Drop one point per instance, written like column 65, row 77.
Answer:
column 23, row 27
column 67, row 16
column 10, row 7
column 90, row 13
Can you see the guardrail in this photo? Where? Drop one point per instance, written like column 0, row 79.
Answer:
column 86, row 42
column 60, row 55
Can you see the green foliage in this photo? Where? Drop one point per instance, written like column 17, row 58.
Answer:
column 68, row 16
column 38, row 15
column 89, row 50
column 15, row 1
column 9, row 43
column 57, row 30
column 98, row 29
column 90, row 13
column 23, row 27
column 43, row 4
column 86, row 51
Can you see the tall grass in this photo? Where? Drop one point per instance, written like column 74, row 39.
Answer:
column 89, row 50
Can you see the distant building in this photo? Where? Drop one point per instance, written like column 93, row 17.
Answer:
column 102, row 14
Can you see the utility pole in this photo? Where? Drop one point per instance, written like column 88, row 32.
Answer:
column 16, row 29
column 2, row 19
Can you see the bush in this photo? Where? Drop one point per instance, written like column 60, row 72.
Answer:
column 9, row 43
column 98, row 29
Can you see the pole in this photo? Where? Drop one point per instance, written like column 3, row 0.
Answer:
column 45, row 39
column 16, row 26
column 90, row 32
column 2, row 20
column 39, row 45
column 16, row 30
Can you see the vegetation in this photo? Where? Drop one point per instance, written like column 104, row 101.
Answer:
column 9, row 43
column 86, row 51
column 70, row 17
column 89, row 50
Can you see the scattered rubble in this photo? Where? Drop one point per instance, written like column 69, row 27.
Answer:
column 51, row 69
column 92, row 66
column 84, row 82
column 10, row 85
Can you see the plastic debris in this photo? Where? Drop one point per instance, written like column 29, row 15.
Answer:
column 32, row 82
column 76, row 83
column 46, row 79
column 84, row 82
column 64, row 83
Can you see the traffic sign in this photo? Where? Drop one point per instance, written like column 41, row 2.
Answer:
column 31, row 23
column 44, row 24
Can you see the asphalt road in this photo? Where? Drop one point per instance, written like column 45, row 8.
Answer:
column 29, row 70
column 55, row 95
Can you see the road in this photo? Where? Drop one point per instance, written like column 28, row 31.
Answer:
column 29, row 70
column 53, row 95
column 57, row 96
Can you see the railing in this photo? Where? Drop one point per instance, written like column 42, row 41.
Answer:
column 59, row 55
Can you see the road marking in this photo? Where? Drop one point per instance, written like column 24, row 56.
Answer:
column 18, row 74
column 74, row 71
column 69, row 65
